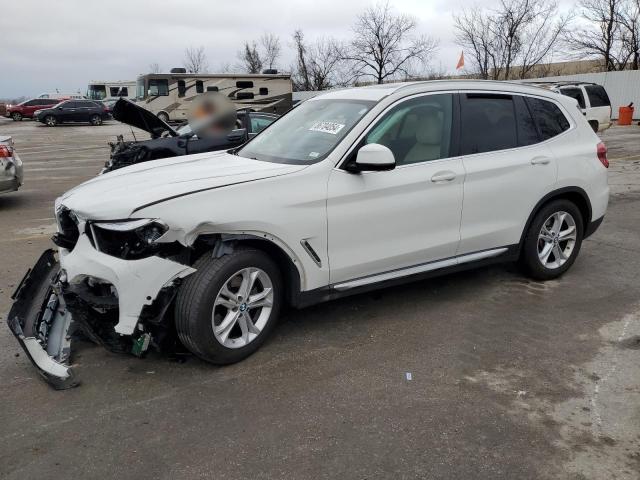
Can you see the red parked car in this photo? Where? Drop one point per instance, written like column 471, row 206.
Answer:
column 26, row 109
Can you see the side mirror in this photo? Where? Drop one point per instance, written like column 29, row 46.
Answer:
column 374, row 158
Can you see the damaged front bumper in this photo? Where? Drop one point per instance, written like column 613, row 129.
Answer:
column 103, row 297
column 41, row 323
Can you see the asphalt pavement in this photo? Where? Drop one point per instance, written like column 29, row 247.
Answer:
column 478, row 375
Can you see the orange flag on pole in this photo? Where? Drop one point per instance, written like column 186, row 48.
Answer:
column 461, row 61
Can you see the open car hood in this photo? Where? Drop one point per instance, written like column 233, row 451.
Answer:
column 126, row 111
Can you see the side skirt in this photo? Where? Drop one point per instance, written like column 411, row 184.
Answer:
column 437, row 268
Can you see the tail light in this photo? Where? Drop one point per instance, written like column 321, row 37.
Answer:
column 602, row 154
column 5, row 151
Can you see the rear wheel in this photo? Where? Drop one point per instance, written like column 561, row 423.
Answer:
column 226, row 310
column 95, row 120
column 50, row 121
column 553, row 240
column 163, row 116
column 17, row 116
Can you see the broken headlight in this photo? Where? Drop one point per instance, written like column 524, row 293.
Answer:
column 129, row 239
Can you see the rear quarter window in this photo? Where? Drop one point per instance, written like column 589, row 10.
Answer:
column 597, row 96
column 548, row 117
column 574, row 93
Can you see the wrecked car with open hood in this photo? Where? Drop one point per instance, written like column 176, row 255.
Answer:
column 352, row 190
column 205, row 132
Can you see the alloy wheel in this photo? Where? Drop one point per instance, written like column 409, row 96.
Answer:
column 50, row 121
column 242, row 307
column 556, row 240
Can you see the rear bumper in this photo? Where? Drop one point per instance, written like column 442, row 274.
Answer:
column 11, row 174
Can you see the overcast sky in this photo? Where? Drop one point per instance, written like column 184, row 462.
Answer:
column 47, row 44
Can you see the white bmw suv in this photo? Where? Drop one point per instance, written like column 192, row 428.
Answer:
column 352, row 190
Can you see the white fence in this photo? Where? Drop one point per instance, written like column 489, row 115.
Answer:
column 622, row 87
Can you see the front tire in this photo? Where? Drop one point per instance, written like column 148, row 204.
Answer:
column 553, row 240
column 50, row 121
column 17, row 116
column 226, row 310
column 95, row 120
column 164, row 117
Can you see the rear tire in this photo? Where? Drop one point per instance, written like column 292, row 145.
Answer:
column 50, row 121
column 95, row 120
column 219, row 317
column 164, row 117
column 553, row 240
column 17, row 116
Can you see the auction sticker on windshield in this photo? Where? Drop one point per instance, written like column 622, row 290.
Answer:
column 327, row 127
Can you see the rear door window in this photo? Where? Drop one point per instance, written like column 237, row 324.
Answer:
column 574, row 92
column 548, row 116
column 597, row 96
column 488, row 123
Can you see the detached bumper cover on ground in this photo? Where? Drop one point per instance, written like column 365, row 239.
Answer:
column 42, row 325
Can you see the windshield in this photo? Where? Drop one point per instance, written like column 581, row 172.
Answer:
column 308, row 133
column 97, row 92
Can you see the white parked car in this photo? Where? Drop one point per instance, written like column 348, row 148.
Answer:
column 352, row 190
column 11, row 170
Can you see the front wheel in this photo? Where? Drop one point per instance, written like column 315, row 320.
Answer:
column 227, row 308
column 163, row 116
column 50, row 121
column 553, row 240
column 95, row 120
column 17, row 116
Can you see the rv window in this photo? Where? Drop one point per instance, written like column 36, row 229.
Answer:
column 244, row 84
column 244, row 95
column 199, row 86
column 182, row 89
column 118, row 92
column 264, row 91
column 158, row 87
column 212, row 89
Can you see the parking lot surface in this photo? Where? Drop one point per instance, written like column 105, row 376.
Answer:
column 479, row 375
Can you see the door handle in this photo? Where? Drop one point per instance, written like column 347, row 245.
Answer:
column 442, row 177
column 540, row 161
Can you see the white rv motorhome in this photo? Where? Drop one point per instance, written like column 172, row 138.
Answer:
column 169, row 95
column 112, row 90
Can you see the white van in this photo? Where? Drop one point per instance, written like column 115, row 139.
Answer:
column 101, row 90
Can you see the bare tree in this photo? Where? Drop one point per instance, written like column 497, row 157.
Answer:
column 474, row 34
column 318, row 65
column 384, row 45
column 512, row 40
column 250, row 59
column 630, row 26
column 271, row 46
column 195, row 60
column 154, row 67
column 602, row 36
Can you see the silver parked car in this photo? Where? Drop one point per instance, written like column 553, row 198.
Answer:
column 10, row 166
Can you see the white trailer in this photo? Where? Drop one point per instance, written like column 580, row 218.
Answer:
column 169, row 95
column 101, row 90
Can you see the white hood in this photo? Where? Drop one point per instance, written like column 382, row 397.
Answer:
column 116, row 195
